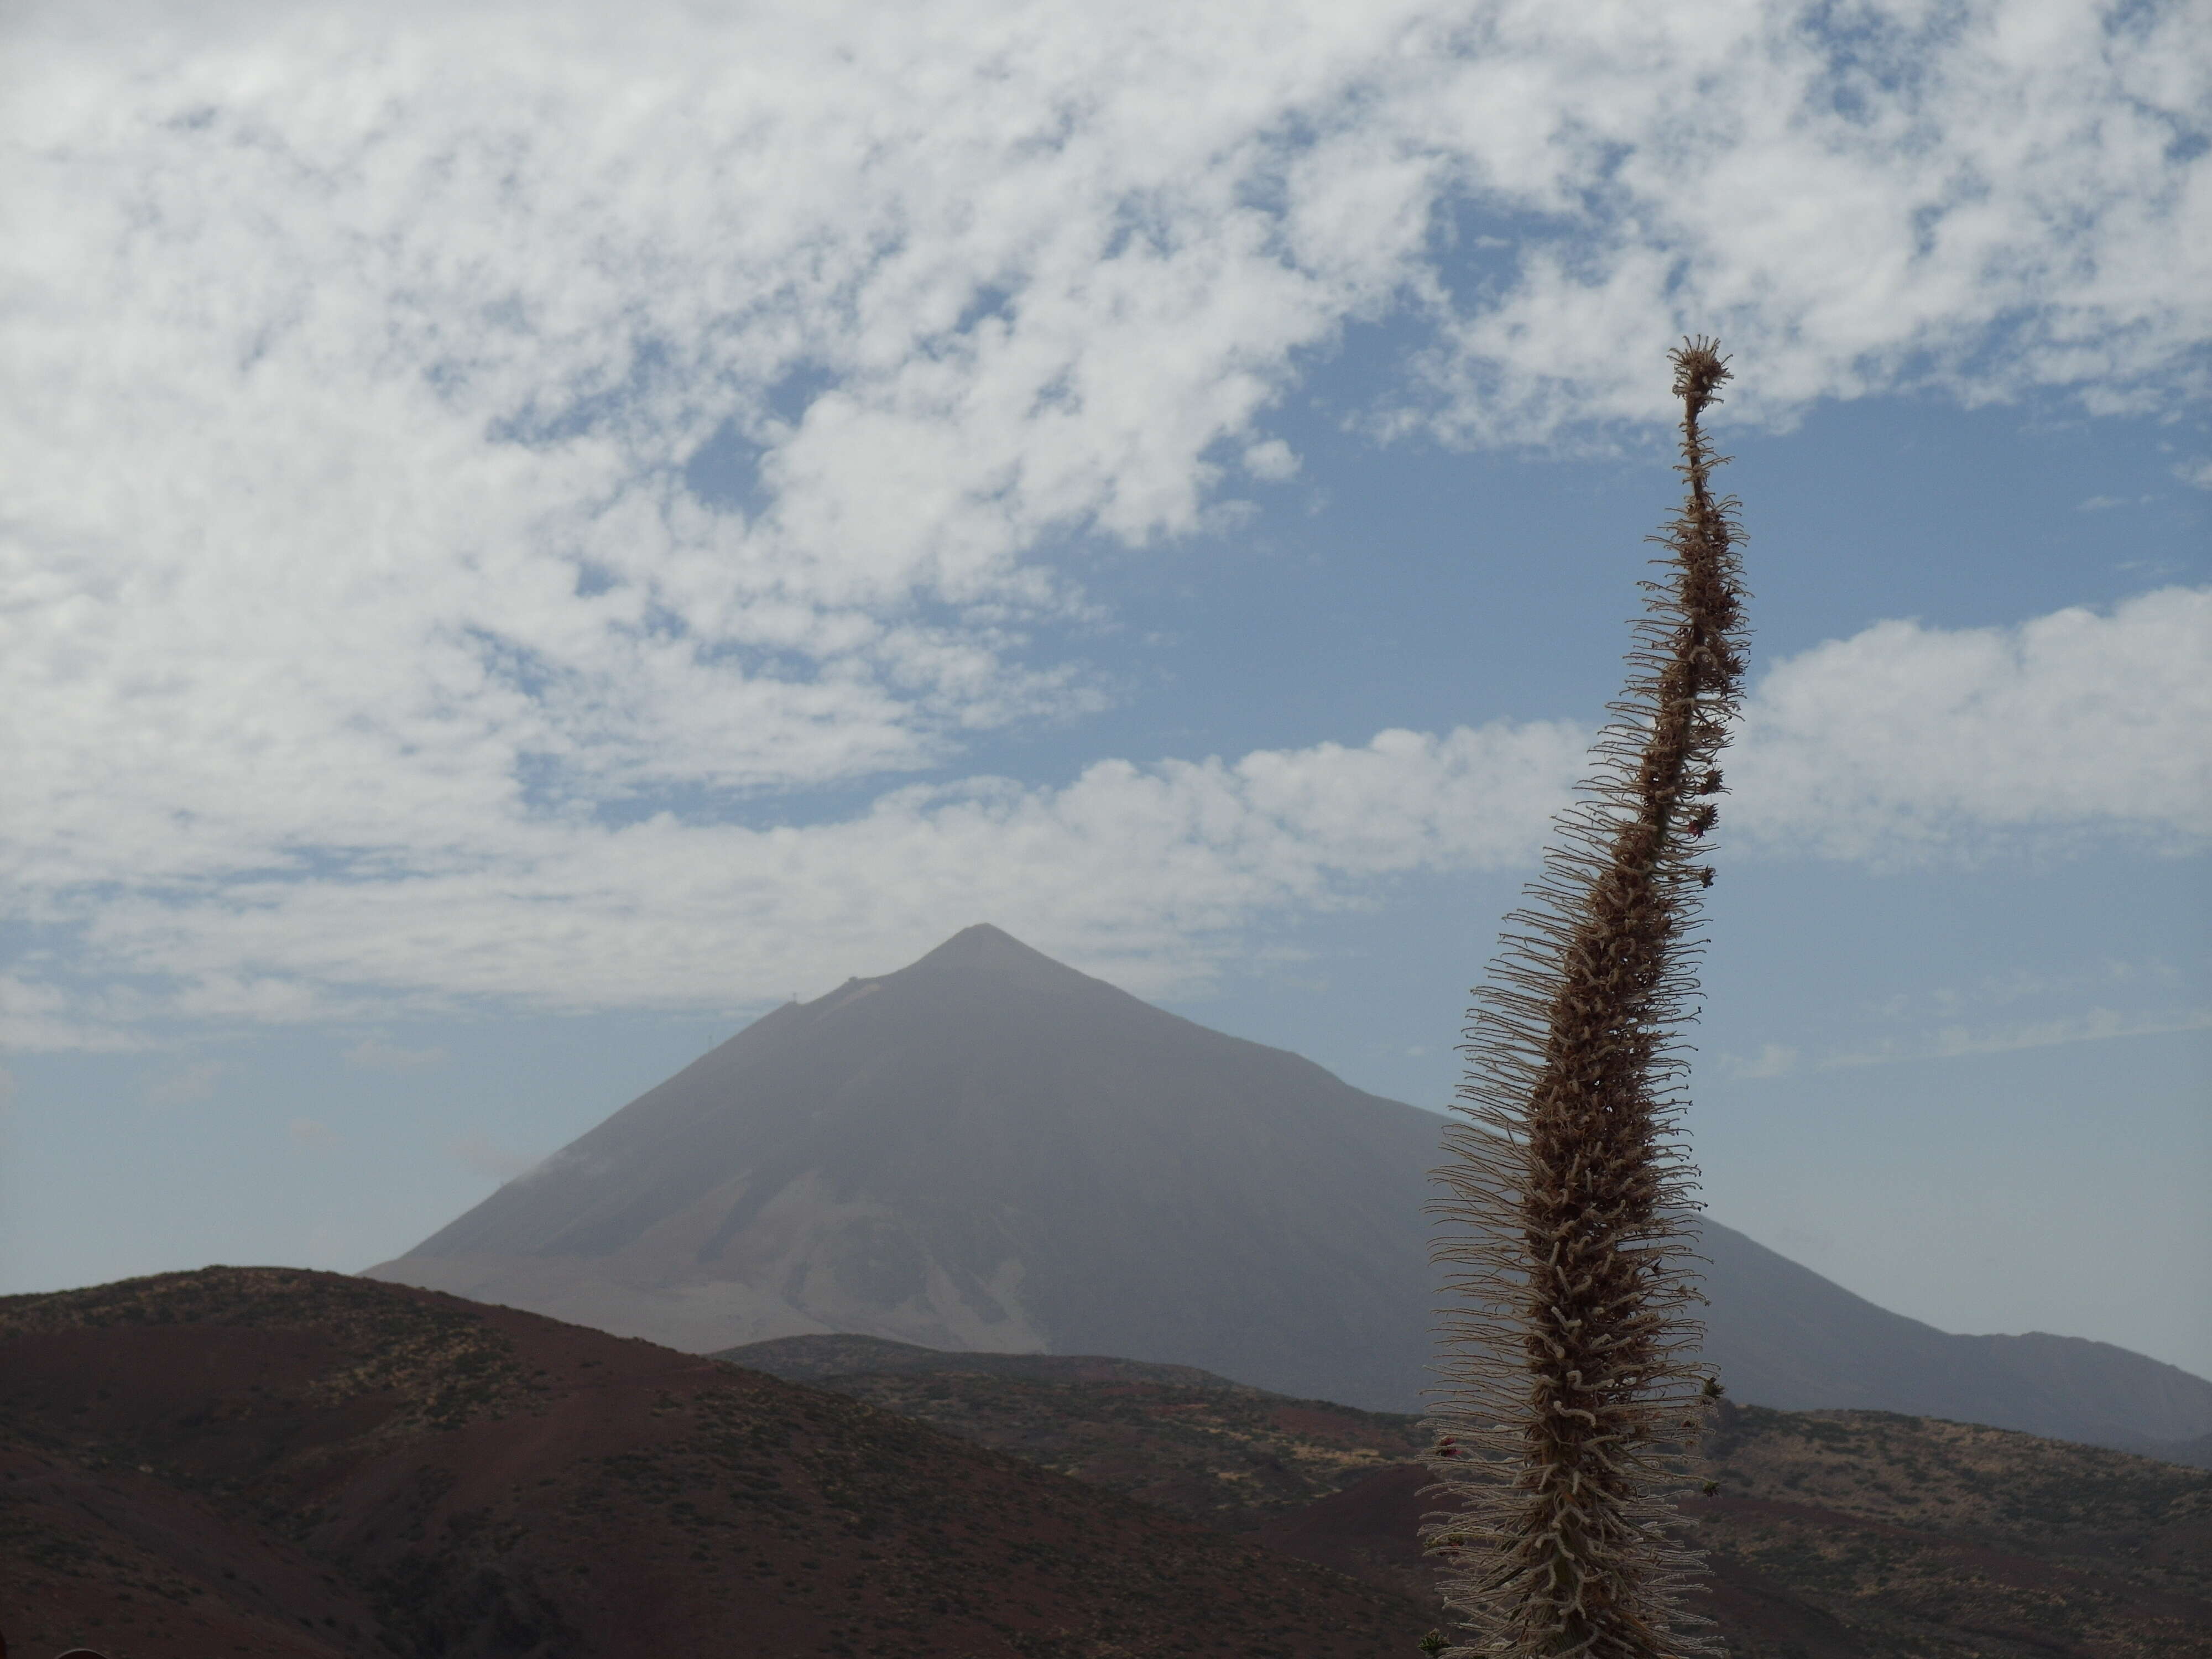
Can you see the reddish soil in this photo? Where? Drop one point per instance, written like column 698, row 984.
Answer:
column 1835, row 1535
column 1370, row 1531
column 1937, row 1594
column 267, row 1462
column 302, row 1465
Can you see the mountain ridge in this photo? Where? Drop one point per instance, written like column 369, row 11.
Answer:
column 1832, row 1535
column 283, row 1464
column 989, row 1150
column 278, row 1464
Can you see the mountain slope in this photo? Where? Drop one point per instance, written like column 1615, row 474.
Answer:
column 1231, row 1456
column 1834, row 1535
column 305, row 1466
column 1784, row 1336
column 1872, row 1535
column 987, row 1151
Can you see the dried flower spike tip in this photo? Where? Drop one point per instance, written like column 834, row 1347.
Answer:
column 1571, row 1390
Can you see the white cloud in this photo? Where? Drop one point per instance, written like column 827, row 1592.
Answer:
column 359, row 352
column 312, row 1136
column 358, row 356
column 1271, row 461
column 2196, row 474
column 37, row 1015
column 1905, row 742
column 1937, row 194
column 1123, row 868
column 1898, row 744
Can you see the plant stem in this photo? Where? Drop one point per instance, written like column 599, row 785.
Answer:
column 1572, row 1388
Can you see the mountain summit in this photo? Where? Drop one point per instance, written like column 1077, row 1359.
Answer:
column 989, row 1150
column 986, row 1149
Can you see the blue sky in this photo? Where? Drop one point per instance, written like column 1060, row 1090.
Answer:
column 529, row 541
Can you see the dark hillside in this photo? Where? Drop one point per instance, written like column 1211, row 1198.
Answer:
column 1834, row 1534
column 1231, row 1456
column 1864, row 1535
column 805, row 1359
column 282, row 1462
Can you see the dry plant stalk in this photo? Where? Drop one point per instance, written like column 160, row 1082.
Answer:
column 1571, row 1390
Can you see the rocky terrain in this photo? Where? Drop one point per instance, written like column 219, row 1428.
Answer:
column 304, row 1466
column 277, row 1462
column 1232, row 1457
column 1832, row 1535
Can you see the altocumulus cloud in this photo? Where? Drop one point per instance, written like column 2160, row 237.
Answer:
column 367, row 362
column 2071, row 723
column 1904, row 742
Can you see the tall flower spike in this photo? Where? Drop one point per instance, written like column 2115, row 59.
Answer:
column 1571, row 1392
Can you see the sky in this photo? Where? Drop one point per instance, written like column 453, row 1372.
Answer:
column 535, row 534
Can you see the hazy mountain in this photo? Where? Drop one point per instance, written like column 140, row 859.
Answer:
column 989, row 1150
column 1785, row 1337
column 986, row 1149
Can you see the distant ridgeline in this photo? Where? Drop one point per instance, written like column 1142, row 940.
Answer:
column 990, row 1151
column 279, row 1462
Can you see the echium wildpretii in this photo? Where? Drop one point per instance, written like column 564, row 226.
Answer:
column 1571, row 1390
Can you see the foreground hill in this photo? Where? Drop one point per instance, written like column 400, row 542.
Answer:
column 1221, row 1452
column 1834, row 1534
column 275, row 1462
column 990, row 1151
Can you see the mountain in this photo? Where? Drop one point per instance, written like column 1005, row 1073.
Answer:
column 1233, row 1457
column 989, row 1152
column 291, row 1465
column 1785, row 1337
column 986, row 1151
column 808, row 1359
column 283, row 1464
column 1871, row 1535
column 1833, row 1535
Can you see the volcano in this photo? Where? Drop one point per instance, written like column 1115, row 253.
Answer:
column 990, row 1151
column 987, row 1150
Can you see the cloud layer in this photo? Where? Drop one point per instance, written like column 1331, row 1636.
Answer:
column 1905, row 742
column 1900, row 744
column 469, row 470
